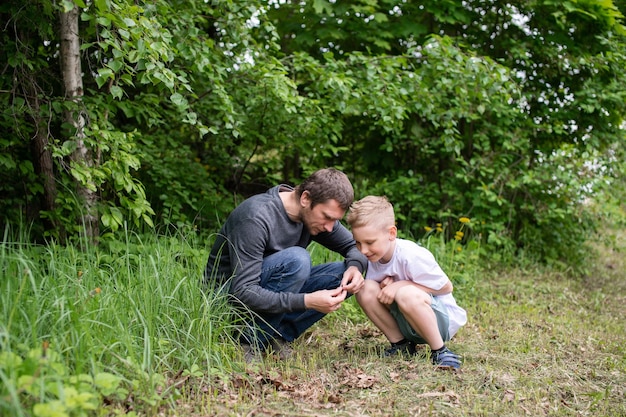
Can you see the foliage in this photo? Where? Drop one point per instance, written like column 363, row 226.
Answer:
column 451, row 109
column 111, row 327
column 459, row 256
column 473, row 123
column 41, row 381
column 125, row 325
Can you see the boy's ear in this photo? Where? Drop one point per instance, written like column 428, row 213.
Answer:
column 393, row 232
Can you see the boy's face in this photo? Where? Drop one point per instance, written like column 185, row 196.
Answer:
column 376, row 243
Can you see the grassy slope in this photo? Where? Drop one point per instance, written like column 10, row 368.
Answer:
column 537, row 344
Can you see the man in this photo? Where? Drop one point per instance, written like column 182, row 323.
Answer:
column 261, row 248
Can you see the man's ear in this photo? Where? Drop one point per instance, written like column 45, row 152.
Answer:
column 305, row 199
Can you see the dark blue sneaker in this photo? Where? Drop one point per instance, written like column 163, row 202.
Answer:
column 446, row 359
column 407, row 348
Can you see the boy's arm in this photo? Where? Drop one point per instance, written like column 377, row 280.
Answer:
column 389, row 289
column 446, row 289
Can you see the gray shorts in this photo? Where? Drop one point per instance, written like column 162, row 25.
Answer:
column 441, row 312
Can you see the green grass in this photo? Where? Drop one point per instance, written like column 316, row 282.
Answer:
column 537, row 343
column 125, row 329
column 132, row 309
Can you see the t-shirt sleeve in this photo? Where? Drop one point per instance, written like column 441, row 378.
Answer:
column 423, row 269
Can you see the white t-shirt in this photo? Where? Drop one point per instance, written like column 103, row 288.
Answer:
column 413, row 262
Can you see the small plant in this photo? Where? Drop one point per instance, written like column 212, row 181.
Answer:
column 457, row 251
column 39, row 380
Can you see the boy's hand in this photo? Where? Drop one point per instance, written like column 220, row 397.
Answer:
column 385, row 282
column 387, row 294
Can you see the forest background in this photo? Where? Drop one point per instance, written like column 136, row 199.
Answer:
column 122, row 120
column 167, row 114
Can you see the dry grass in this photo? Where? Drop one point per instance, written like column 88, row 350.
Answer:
column 537, row 344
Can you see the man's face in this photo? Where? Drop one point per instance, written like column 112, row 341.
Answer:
column 322, row 217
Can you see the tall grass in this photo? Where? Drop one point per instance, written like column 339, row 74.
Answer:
column 106, row 325
column 117, row 327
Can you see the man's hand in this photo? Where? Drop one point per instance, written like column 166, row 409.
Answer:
column 325, row 301
column 352, row 280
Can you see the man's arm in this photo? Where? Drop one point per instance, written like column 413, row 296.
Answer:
column 248, row 243
column 340, row 240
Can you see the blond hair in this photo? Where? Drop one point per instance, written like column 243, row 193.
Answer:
column 372, row 210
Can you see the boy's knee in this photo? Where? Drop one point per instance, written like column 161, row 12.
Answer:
column 369, row 292
column 411, row 295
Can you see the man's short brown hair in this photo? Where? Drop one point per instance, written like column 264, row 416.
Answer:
column 328, row 184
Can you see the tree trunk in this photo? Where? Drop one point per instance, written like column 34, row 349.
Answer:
column 73, row 83
column 42, row 157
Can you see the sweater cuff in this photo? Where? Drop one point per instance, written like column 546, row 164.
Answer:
column 298, row 303
column 356, row 263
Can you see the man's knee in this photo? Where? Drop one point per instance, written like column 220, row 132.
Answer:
column 298, row 254
column 296, row 261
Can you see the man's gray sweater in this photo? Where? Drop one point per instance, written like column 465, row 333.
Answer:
column 257, row 228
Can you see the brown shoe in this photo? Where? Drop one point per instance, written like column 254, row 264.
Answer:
column 282, row 348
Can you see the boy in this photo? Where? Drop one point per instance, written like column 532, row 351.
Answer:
column 406, row 293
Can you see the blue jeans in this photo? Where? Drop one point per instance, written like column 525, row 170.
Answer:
column 290, row 270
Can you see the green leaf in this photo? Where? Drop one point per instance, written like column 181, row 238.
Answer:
column 53, row 408
column 7, row 162
column 101, row 5
column 115, row 65
column 104, row 74
column 68, row 5
column 75, row 400
column 381, row 17
column 124, row 33
column 106, row 219
column 179, row 100
column 322, row 6
column 117, row 92
column 117, row 215
column 9, row 360
column 147, row 220
column 104, row 21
